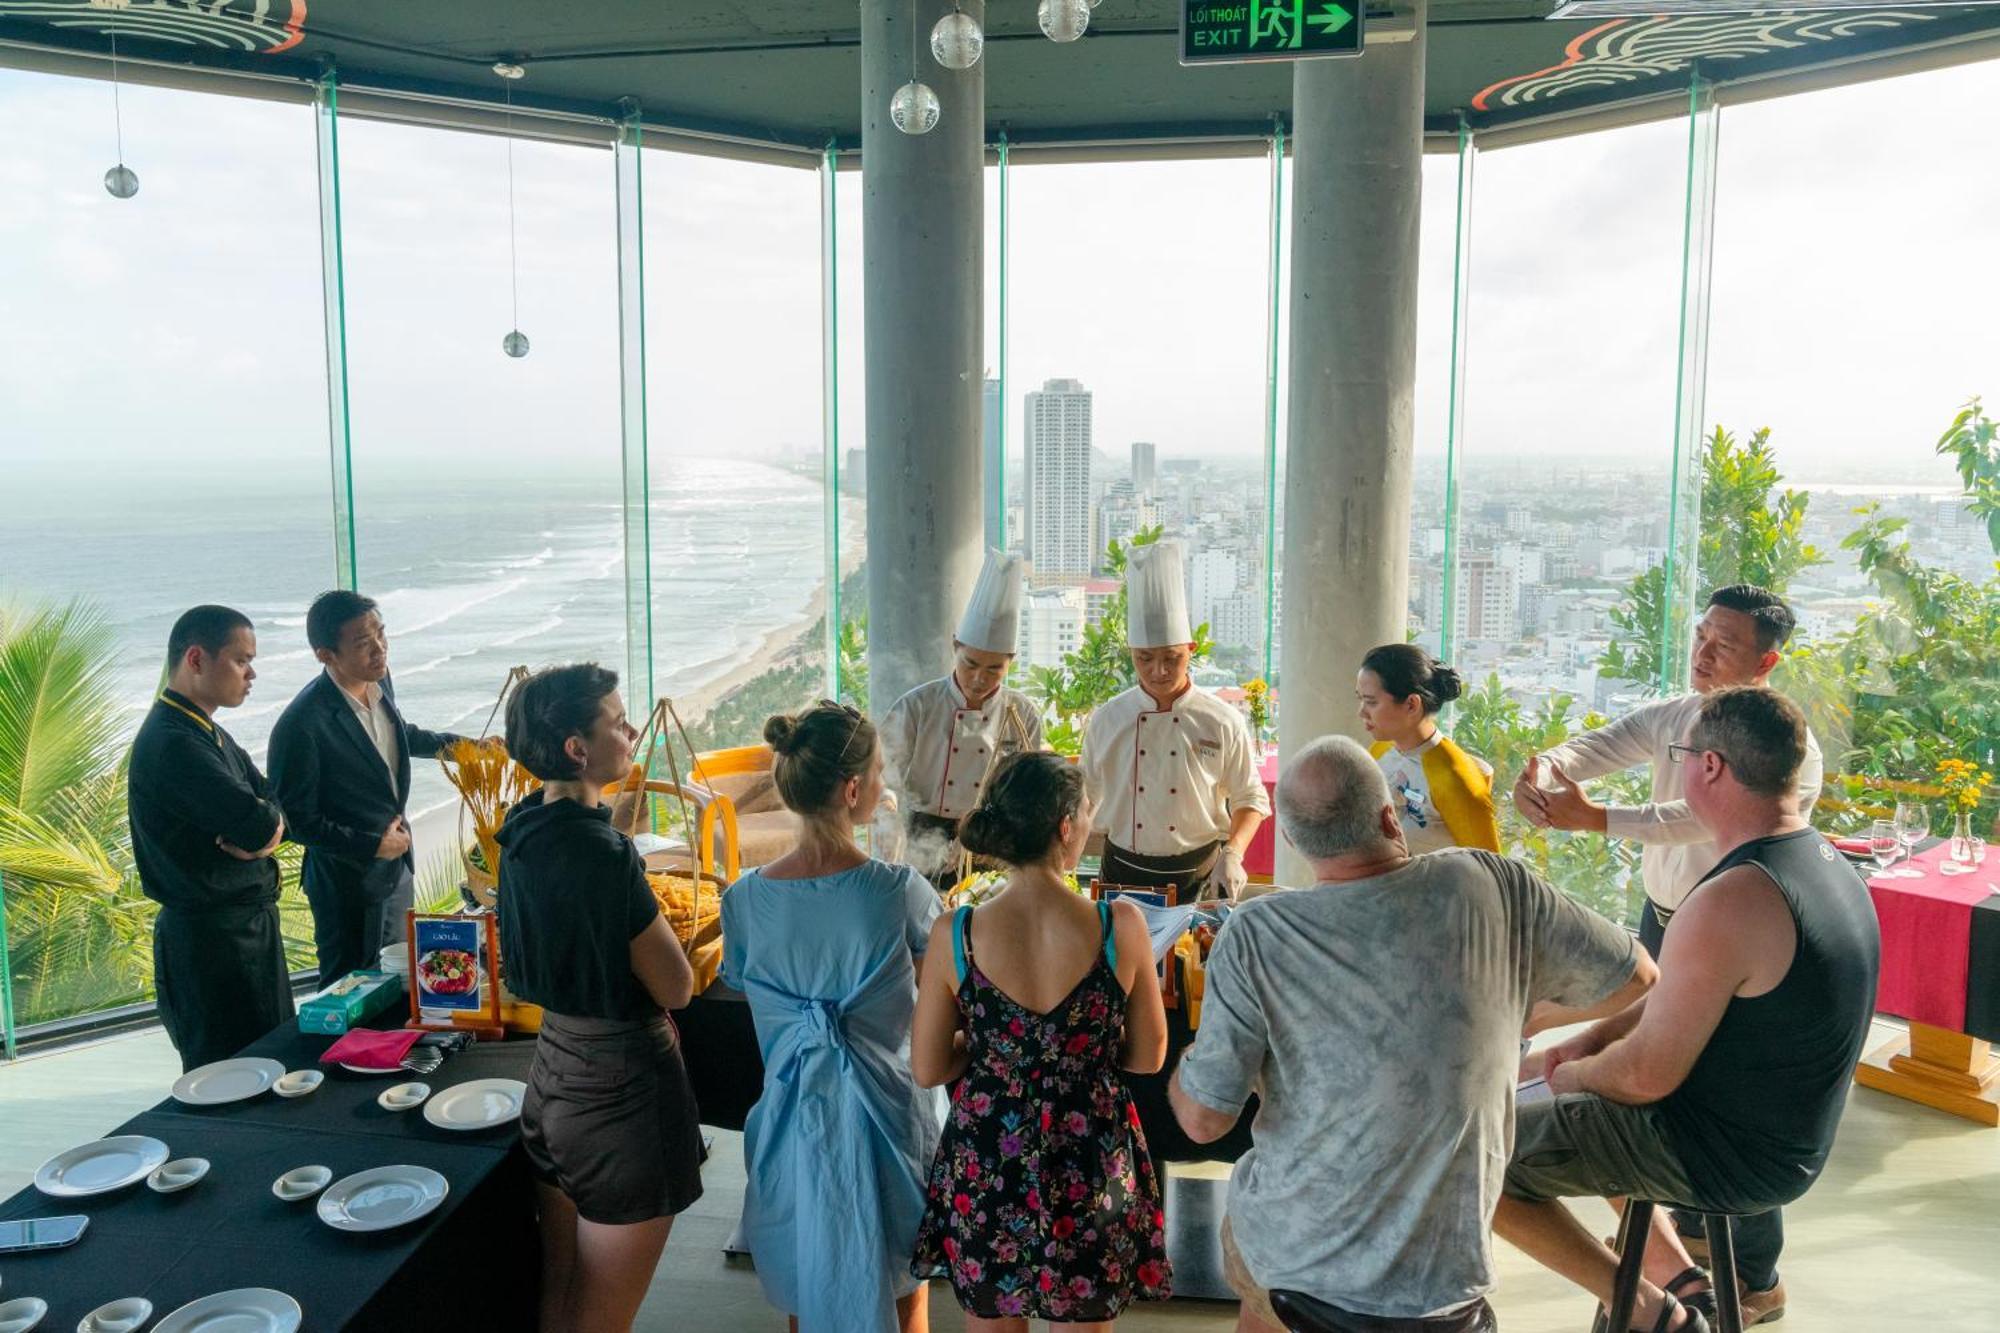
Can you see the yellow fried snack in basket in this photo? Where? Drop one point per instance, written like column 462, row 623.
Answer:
column 693, row 909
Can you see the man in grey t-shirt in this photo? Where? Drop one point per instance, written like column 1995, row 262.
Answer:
column 1379, row 1014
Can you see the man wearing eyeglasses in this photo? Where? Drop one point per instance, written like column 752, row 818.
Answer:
column 1723, row 1088
column 1739, row 640
column 941, row 739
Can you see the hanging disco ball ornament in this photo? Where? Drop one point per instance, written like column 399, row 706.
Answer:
column 956, row 41
column 121, row 182
column 515, row 344
column 1063, row 20
column 914, row 108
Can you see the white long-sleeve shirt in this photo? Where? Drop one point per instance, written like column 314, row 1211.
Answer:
column 1678, row 849
column 937, row 750
column 1168, row 780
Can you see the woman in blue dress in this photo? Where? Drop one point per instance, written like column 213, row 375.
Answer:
column 824, row 941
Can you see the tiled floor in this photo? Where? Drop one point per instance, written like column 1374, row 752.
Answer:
column 1902, row 1234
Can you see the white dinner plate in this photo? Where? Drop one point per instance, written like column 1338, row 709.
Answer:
column 372, row 1073
column 381, row 1197
column 480, row 1104
column 245, row 1310
column 101, row 1166
column 227, row 1081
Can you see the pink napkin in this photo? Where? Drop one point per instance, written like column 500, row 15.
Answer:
column 368, row 1049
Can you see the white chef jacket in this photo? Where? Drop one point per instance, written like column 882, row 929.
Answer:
column 1678, row 849
column 1167, row 780
column 937, row 750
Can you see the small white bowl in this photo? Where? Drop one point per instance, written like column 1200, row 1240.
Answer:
column 117, row 1316
column 299, row 1082
column 403, row 1096
column 22, row 1314
column 301, row 1182
column 172, row 1177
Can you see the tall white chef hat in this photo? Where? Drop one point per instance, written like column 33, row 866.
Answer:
column 992, row 619
column 1156, row 613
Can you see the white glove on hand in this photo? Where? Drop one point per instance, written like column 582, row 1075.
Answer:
column 1228, row 878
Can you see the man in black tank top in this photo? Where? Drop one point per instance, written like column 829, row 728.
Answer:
column 1723, row 1088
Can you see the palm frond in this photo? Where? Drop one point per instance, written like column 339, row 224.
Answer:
column 58, row 718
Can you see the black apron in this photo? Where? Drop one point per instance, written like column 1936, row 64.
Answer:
column 1186, row 871
column 221, row 979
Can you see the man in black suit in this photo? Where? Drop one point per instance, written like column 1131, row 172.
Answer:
column 340, row 765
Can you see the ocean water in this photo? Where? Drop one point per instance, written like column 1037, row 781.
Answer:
column 474, row 576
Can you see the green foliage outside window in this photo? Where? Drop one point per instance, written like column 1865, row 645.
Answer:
column 79, row 931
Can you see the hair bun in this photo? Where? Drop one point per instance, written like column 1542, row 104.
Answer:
column 1448, row 683
column 781, row 733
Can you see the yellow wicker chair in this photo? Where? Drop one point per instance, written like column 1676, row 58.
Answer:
column 715, row 846
column 764, row 829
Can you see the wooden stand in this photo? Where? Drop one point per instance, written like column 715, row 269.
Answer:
column 1939, row 1068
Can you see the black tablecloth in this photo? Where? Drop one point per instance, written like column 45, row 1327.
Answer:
column 719, row 1046
column 474, row 1263
column 1982, row 972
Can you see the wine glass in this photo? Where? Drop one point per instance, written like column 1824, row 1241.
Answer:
column 1913, row 825
column 1884, row 843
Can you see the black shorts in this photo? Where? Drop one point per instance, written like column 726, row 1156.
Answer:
column 610, row 1120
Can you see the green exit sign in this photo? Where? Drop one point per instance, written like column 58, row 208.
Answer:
column 1223, row 31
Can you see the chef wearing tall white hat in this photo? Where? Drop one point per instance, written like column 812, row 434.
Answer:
column 941, row 739
column 1170, row 767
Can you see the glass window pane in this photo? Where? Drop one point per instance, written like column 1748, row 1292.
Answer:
column 1158, row 343
column 1563, row 481
column 1432, row 416
column 734, row 410
column 1853, row 319
column 851, row 348
column 163, row 411
column 487, row 487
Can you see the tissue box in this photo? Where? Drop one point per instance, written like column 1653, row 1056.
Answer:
column 351, row 1001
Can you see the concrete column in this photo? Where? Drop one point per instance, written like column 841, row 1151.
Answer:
column 923, row 225
column 1357, row 129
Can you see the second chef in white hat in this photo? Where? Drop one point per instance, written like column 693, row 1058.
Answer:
column 941, row 739
column 1171, row 768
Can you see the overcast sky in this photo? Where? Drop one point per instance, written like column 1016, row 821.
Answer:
column 1854, row 294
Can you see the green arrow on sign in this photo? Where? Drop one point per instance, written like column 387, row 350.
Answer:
column 1331, row 19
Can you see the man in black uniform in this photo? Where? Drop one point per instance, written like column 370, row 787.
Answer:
column 340, row 764
column 203, row 831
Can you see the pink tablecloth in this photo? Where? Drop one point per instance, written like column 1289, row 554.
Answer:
column 1926, row 941
column 1263, row 853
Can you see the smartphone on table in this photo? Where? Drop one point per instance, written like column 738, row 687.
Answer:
column 41, row 1233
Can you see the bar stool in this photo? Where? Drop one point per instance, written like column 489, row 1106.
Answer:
column 1301, row 1313
column 1634, row 1229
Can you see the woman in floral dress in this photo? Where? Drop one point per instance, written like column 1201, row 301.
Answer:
column 1043, row 1202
